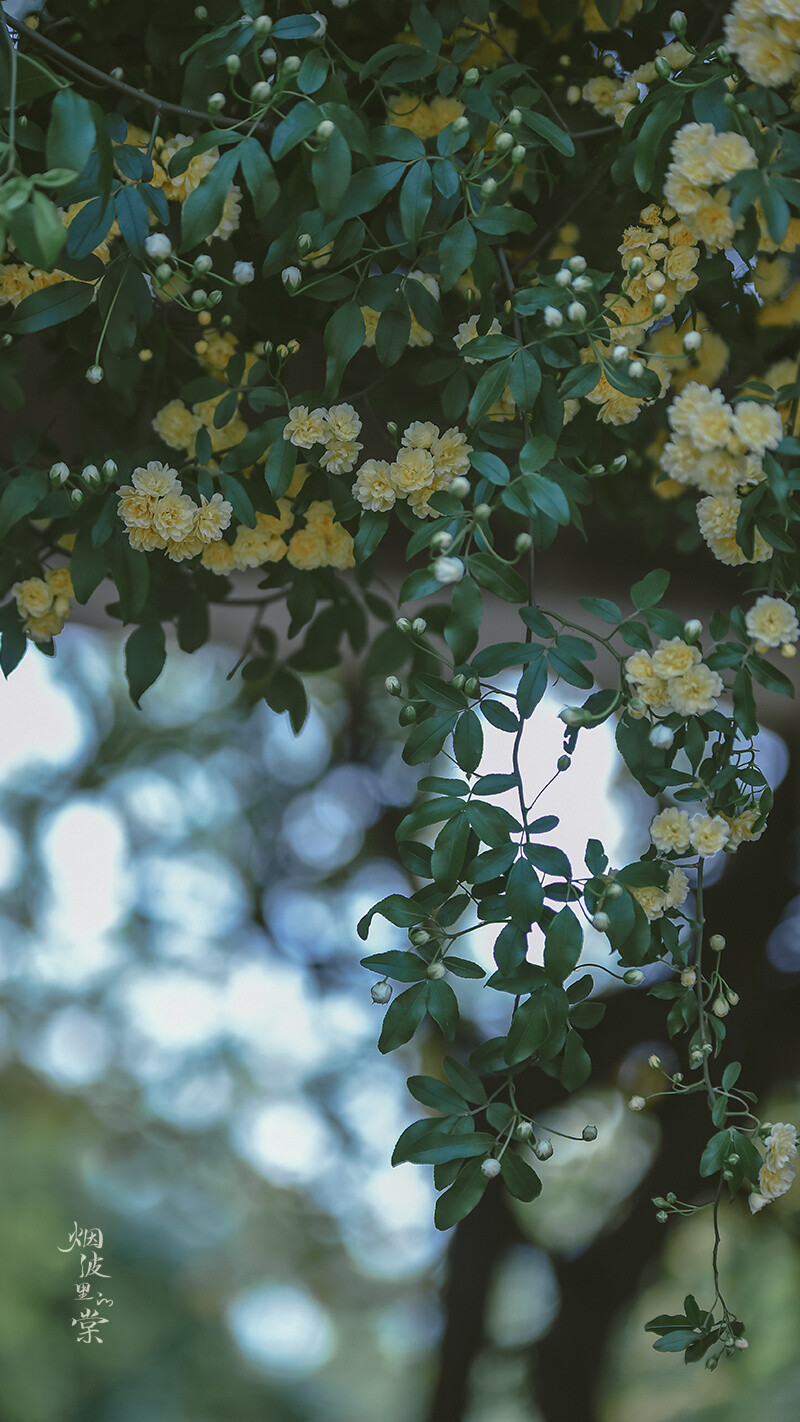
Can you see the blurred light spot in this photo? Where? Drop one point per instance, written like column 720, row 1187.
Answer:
column 409, row 1329
column 286, row 1141
column 74, row 964
column 193, row 1102
column 283, row 1329
column 12, row 858
column 74, row 1047
column 173, row 1009
column 297, row 760
column 200, row 892
column 42, row 724
column 303, row 924
column 322, row 830
column 783, row 944
column 524, row 1298
column 85, row 851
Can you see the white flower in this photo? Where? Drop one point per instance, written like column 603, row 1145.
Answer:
column 243, row 273
column 448, row 570
column 670, row 832
column 772, row 621
column 158, row 246
column 708, row 833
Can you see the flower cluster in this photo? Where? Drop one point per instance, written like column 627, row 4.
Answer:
column 614, row 406
column 778, row 1170
column 772, row 622
column 704, row 365
column 656, row 902
column 178, row 188
column 43, row 603
column 674, row 831
column 659, row 255
column 417, row 335
column 336, row 428
column 157, row 514
column 426, row 462
column 425, row 120
column 765, row 37
column 614, row 98
column 20, row 279
column 702, row 161
column 673, row 678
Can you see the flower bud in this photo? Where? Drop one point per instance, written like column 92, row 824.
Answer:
column 619, row 354
column 490, row 1168
column 482, row 513
column 522, row 542
column 692, row 629
column 692, row 341
column 564, row 762
column 661, row 737
column 59, row 473
column 461, row 124
column 654, row 1062
column 90, row 475
column 788, row 651
column 724, row 56
column 199, row 299
column 158, row 246
column 524, row 1131
column 570, row 715
column 419, row 626
column 489, row 187
column 636, row 370
column 110, row 470
column 741, row 1344
column 261, row 91
column 662, row 67
column 720, row 1007
column 577, row 265
column 448, row 570
column 543, row 1150
column 202, row 264
column 200, row 12
column 573, row 94
column 291, row 278
column 268, row 58
column 392, row 686
column 637, row 1103
column 471, row 77
column 325, row 130
column 441, row 542
column 291, row 64
column 662, row 1217
column 408, row 715
column 634, row 977
column 262, row 26
column 419, row 937
column 216, row 103
column 213, row 298
column 636, row 704
column 435, row 971
column 233, row 63
column 472, row 686
column 583, row 283
column 502, row 142
column 733, row 997
column 76, row 496
column 563, row 277
column 613, row 891
column 518, row 154
column 94, row 374
column 659, row 301
column 576, row 311
column 460, row 486
column 514, row 118
column 243, row 273
column 403, row 624
column 380, row 993
column 552, row 316
column 636, row 266
column 677, row 22
column 688, row 977
column 589, row 1133
column 458, row 681
column 601, row 922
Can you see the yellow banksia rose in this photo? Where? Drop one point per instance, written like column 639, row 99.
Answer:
column 717, row 516
column 176, row 425
column 305, row 428
column 695, row 692
column 772, row 621
column 673, row 657
column 669, row 831
column 708, row 834
column 33, row 597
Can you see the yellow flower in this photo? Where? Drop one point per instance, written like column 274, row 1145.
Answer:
column 652, row 900
column 695, row 691
column 717, row 516
column 342, row 423
column 669, row 831
column 741, row 828
column 340, row 456
column 773, row 621
column 176, row 425
column 219, row 558
column 305, row 428
column 468, row 330
column 674, row 657
column 420, row 434
column 713, row 223
column 253, row 547
column 677, row 889
column 145, row 540
column 306, row 550
column 639, row 667
column 177, row 189
column 231, row 211
column 15, row 282
column 412, row 470
column 371, row 319
column 450, row 453
column 708, row 834
column 173, row 517
column 758, row 426
column 59, row 581
column 43, row 628
column 212, row 518
column 135, row 508
column 33, row 596
column 219, row 347
column 155, row 480
column 373, row 487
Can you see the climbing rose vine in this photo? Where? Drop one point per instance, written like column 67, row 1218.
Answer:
column 281, row 300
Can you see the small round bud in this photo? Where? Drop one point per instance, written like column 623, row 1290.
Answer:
column 472, row 686
column 291, row 278
column 94, row 374
column 601, row 922
column 59, row 473
column 518, row 153
column 162, row 273
column 392, row 686
column 637, row 1103
column 563, row 277
column 727, row 1174
column 659, row 301
column 522, row 542
column 233, row 63
column 482, row 513
column 577, row 265
column 570, row 715
column 213, row 298
column 678, row 1077
column 261, row 91
column 573, row 94
column 636, row 266
column 514, row 118
column 380, row 993
column 543, row 1150
column 489, row 187
column 391, row 427
column 589, row 1133
column 325, row 130
column 435, row 971
column 244, row 273
column 636, row 369
column 716, row 942
column 110, row 470
column 564, row 762
column 634, row 977
column 617, row 465
column 90, row 475
column 291, row 63
column 662, row 1217
column 788, row 651
column 460, row 486
column 461, row 124
column 199, row 299
column 636, row 703
column 442, row 542
column 419, row 937
column 552, row 316
column 158, row 246
column 720, row 1007
column 596, row 469
column 262, row 25
column 524, row 1131
column 76, row 495
column 654, row 1062
column 692, row 629
column 692, row 341
column 677, row 22
column 662, row 67
column 723, row 54
column 408, row 715
column 216, row 103
column 583, row 283
column 741, row 1344
column 268, row 58
column 503, row 141
column 661, row 737
column 576, row 311
column 688, row 977
column 403, row 624
column 619, row 354
column 448, row 570
column 491, row 1168
column 614, row 891
column 733, row 1158
column 471, row 77
column 733, row 997
column 202, row 264
column 458, row 681
column 419, row 626
column 200, row 12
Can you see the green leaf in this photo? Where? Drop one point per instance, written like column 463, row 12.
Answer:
column 529, row 1030
column 20, row 498
column 145, row 654
column 286, row 692
column 650, row 589
column 525, row 379
column 298, row 124
column 575, row 1066
column 562, row 945
column 462, row 1197
column 13, row 642
column 521, row 1182
column 602, row 608
column 345, row 334
column 50, row 307
column 87, row 565
column 133, row 218
column 71, row 132
column 489, row 389
column 429, row 1091
column 331, row 168
column 498, row 577
column 556, row 136
column 402, row 967
column 404, row 913
column 391, row 335
column 259, row 175
column 466, row 1082
column 38, row 232
column 403, row 1017
column 313, row 72
column 202, row 211
column 468, row 742
column 464, row 618
column 713, row 1156
column 443, row 1007
column 427, row 738
column 416, row 196
column 456, row 253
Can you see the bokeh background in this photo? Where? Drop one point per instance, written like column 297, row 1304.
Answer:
column 188, row 1062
